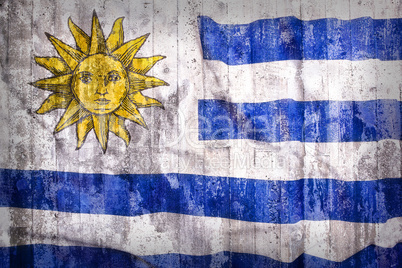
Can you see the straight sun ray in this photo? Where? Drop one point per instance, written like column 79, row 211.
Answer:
column 70, row 55
column 81, row 38
column 98, row 44
column 116, row 125
column 101, row 126
column 127, row 51
column 72, row 115
column 129, row 111
column 83, row 128
column 116, row 36
column 55, row 101
column 139, row 82
column 60, row 84
column 142, row 101
column 143, row 65
column 53, row 64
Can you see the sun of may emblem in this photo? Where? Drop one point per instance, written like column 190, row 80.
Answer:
column 99, row 83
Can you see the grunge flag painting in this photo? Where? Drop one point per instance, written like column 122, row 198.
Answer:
column 200, row 133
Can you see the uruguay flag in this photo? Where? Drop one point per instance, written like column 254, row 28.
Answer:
column 279, row 144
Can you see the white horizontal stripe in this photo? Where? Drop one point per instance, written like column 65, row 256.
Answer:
column 162, row 233
column 303, row 80
column 354, row 161
column 241, row 12
column 349, row 161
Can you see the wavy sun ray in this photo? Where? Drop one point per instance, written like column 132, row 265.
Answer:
column 129, row 111
column 71, row 116
column 143, row 65
column 70, row 55
column 81, row 38
column 116, row 36
column 142, row 101
column 99, row 83
column 127, row 51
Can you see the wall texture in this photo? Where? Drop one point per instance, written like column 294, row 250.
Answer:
column 246, row 133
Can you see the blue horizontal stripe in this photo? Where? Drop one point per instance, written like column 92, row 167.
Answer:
column 289, row 38
column 304, row 121
column 234, row 198
column 70, row 256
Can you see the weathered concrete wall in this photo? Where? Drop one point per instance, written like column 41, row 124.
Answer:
column 208, row 197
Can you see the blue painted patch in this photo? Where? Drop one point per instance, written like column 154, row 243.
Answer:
column 289, row 38
column 233, row 198
column 63, row 256
column 304, row 121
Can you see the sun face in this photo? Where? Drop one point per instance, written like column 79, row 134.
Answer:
column 99, row 83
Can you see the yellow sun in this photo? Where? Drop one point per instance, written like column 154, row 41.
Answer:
column 99, row 83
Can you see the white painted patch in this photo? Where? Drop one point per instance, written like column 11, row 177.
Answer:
column 338, row 80
column 163, row 233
